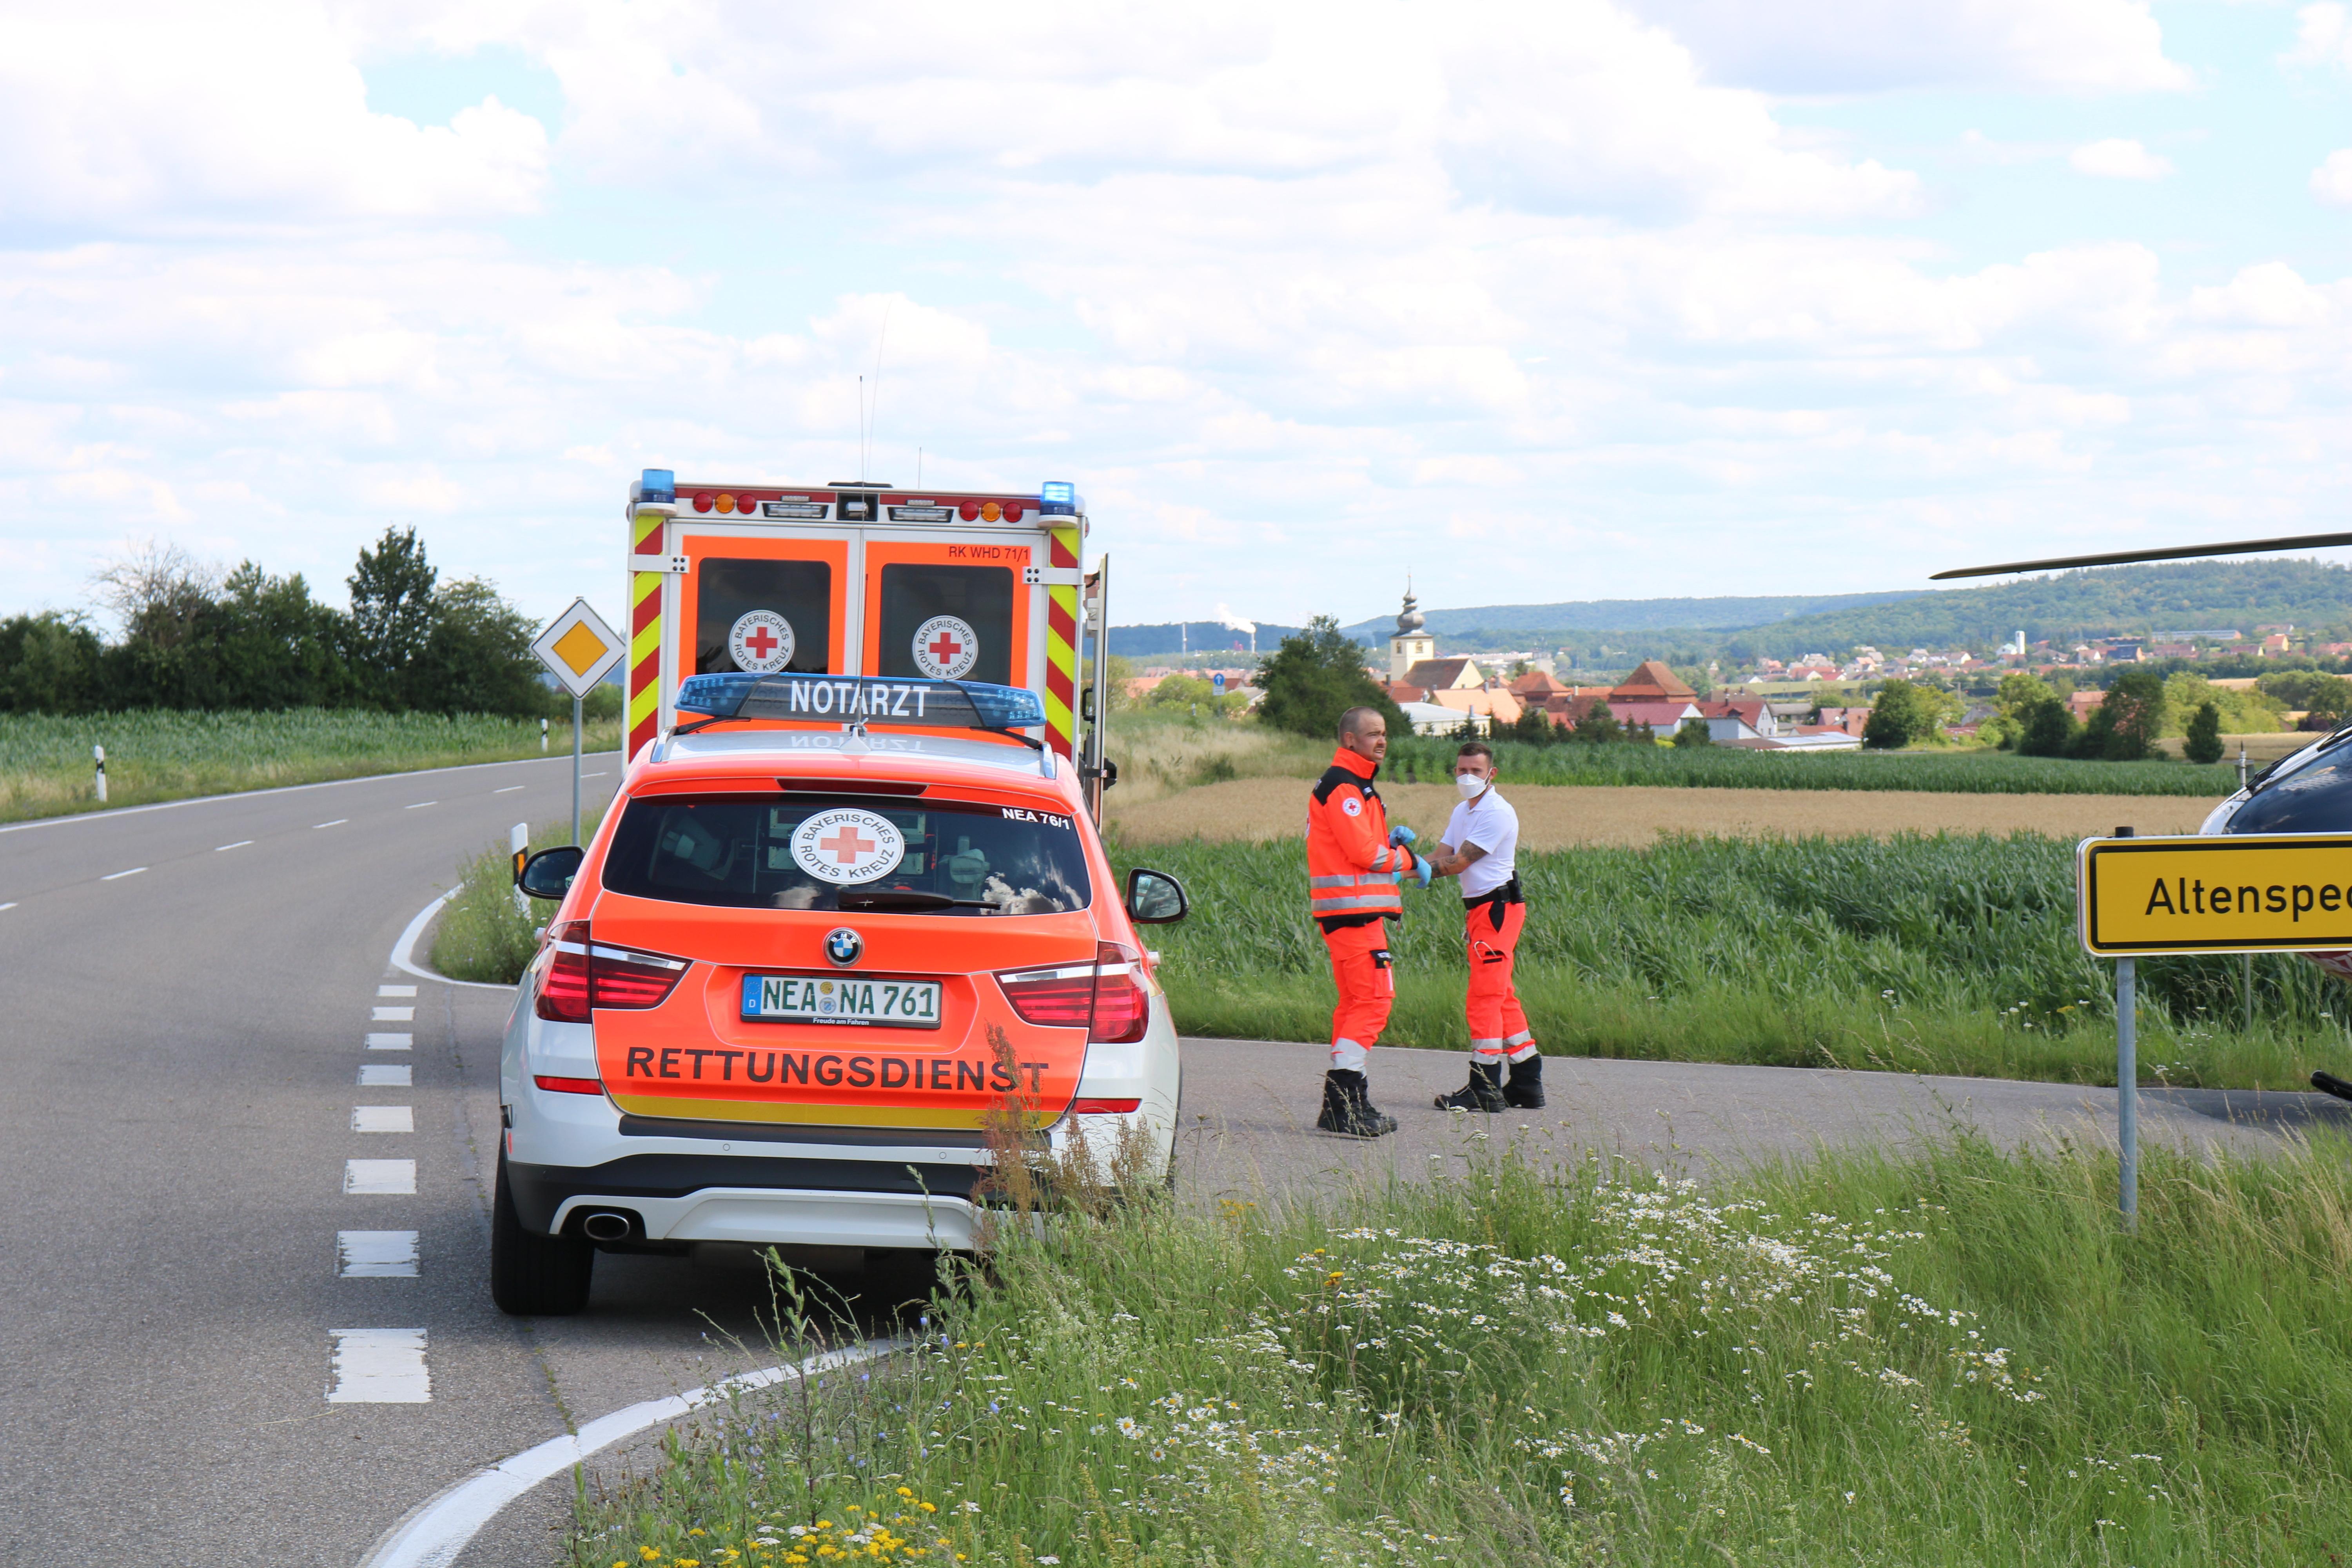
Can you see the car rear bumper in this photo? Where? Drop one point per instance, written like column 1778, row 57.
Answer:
column 766, row 1199
column 785, row 1216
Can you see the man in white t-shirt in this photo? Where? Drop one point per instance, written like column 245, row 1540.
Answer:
column 1480, row 846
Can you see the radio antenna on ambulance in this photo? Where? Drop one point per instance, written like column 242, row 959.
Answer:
column 868, row 580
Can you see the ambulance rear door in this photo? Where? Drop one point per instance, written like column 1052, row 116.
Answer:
column 950, row 600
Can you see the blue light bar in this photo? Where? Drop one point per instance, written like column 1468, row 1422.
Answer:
column 657, row 485
column 1057, row 498
column 862, row 699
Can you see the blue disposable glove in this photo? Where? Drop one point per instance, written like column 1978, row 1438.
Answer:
column 1398, row 835
column 1422, row 869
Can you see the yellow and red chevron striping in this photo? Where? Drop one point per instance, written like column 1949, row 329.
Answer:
column 644, row 634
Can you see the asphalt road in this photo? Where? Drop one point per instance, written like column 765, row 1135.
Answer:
column 186, row 999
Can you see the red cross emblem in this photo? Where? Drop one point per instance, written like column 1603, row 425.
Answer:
column 846, row 845
column 762, row 642
column 944, row 648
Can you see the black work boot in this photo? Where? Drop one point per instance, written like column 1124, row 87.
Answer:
column 1348, row 1108
column 1483, row 1092
column 1525, row 1091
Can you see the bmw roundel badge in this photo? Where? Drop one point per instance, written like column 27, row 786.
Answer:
column 844, row 946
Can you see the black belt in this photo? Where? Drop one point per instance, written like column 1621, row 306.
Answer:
column 1494, row 902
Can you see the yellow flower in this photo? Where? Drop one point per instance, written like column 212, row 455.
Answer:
column 906, row 1492
column 649, row 1553
column 929, row 1507
column 695, row 1531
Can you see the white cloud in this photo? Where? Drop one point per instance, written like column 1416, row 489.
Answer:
column 2332, row 181
column 1281, row 286
column 2323, row 37
column 183, row 116
column 1865, row 45
column 2119, row 158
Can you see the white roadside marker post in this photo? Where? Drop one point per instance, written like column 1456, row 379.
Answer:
column 518, row 840
column 542, row 736
column 99, row 753
column 2127, row 1085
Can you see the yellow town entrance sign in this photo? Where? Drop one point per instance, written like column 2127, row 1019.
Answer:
column 2278, row 892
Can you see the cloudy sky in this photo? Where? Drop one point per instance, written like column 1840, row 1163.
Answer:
column 1572, row 300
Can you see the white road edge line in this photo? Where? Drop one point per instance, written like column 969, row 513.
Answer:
column 404, row 952
column 117, row 875
column 240, row 844
column 337, row 823
column 437, row 1530
column 420, row 805
column 509, row 789
column 9, row 906
column 279, row 789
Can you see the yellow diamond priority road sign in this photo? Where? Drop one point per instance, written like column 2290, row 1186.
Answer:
column 2250, row 893
column 579, row 647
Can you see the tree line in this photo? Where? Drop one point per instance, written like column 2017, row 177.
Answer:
column 194, row 638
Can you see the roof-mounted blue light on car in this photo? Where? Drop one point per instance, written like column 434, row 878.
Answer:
column 657, row 485
column 1057, row 498
column 862, row 700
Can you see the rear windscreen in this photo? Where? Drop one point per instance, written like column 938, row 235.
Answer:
column 802, row 852
column 798, row 595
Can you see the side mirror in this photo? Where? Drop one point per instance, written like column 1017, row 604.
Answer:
column 1155, row 898
column 549, row 873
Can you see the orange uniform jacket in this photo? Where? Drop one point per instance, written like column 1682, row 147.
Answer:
column 1351, row 869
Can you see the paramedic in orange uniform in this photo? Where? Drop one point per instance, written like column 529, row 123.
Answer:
column 1354, row 867
column 1480, row 846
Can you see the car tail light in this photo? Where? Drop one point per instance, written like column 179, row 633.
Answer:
column 1107, row 997
column 1102, row 1107
column 568, row 1085
column 563, row 993
column 586, row 973
column 1122, row 1006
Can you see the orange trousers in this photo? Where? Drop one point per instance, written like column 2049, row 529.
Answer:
column 1498, row 1024
column 1361, row 968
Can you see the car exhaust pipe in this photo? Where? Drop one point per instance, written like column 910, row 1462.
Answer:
column 606, row 1225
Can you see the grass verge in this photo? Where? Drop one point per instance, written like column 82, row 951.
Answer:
column 1942, row 954
column 483, row 934
column 45, row 765
column 1951, row 1359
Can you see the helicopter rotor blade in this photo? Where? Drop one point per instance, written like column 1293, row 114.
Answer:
column 2125, row 557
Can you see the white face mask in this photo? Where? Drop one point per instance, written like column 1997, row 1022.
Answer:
column 1471, row 785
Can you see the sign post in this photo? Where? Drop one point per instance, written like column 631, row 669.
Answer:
column 581, row 649
column 2227, row 893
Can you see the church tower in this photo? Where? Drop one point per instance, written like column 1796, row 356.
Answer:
column 1410, row 644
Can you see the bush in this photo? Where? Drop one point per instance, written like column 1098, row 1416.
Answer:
column 1317, row 675
column 2124, row 728
column 1694, row 732
column 2204, row 743
column 1905, row 714
column 1598, row 726
column 2046, row 728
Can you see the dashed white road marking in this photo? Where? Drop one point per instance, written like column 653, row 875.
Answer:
column 390, row 1042
column 437, row 1531
column 419, row 804
column 509, row 789
column 385, row 1075
column 395, row 990
column 337, row 823
column 382, row 1118
column 388, row 1178
column 117, row 875
column 375, row 1253
column 379, row 1366
column 240, row 844
column 7, row 905
column 395, row 1015
column 594, row 775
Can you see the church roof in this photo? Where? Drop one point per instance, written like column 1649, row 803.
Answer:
column 1652, row 683
column 1443, row 674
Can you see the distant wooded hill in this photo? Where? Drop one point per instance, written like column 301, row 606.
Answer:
column 2120, row 601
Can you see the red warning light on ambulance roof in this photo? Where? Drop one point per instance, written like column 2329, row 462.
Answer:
column 989, row 511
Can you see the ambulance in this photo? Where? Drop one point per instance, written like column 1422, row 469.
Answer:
column 847, row 939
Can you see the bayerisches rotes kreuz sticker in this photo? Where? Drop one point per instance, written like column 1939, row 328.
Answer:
column 760, row 641
column 945, row 649
column 846, row 845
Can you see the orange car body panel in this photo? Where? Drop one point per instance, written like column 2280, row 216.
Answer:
column 695, row 1057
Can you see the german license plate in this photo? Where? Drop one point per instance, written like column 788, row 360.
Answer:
column 839, row 999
